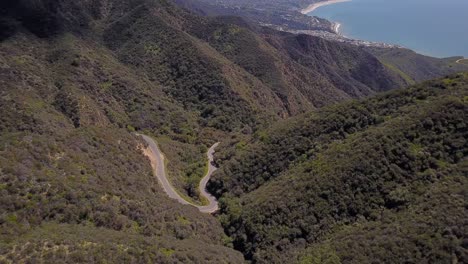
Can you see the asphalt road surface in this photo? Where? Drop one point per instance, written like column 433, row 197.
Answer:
column 157, row 162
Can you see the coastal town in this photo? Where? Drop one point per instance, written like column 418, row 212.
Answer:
column 288, row 16
column 336, row 36
column 334, row 33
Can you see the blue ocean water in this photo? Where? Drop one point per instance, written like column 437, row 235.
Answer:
column 437, row 28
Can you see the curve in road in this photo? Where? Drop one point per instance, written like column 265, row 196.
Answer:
column 157, row 163
column 460, row 61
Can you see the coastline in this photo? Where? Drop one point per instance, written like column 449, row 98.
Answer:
column 334, row 33
column 314, row 6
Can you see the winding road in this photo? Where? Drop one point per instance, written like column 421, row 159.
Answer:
column 157, row 163
column 460, row 61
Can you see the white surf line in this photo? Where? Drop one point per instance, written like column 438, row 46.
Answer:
column 314, row 6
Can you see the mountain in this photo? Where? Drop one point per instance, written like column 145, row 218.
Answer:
column 302, row 70
column 360, row 182
column 75, row 186
column 286, row 16
column 415, row 67
column 79, row 78
column 150, row 66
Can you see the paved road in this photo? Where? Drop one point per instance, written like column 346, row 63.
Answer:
column 157, row 162
column 213, row 203
column 460, row 61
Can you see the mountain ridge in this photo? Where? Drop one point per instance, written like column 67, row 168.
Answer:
column 79, row 78
column 307, row 186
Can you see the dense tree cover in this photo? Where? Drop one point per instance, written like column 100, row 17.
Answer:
column 86, row 244
column 355, row 172
column 177, row 61
column 57, row 186
column 415, row 67
column 345, row 68
column 75, row 186
column 44, row 180
column 274, row 13
column 186, row 165
column 302, row 137
column 302, row 70
column 432, row 230
column 77, row 78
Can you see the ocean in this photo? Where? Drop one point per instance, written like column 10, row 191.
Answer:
column 437, row 28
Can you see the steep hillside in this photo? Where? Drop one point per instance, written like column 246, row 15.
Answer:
column 300, row 69
column 416, row 67
column 78, row 78
column 150, row 66
column 264, row 72
column 348, row 181
column 275, row 13
column 285, row 16
column 88, row 195
column 75, row 186
column 194, row 74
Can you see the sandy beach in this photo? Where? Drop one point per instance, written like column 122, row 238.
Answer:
column 312, row 7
